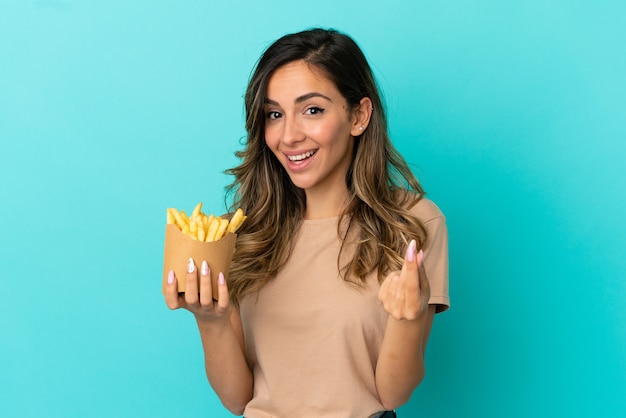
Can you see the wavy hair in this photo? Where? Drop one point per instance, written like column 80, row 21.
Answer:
column 381, row 186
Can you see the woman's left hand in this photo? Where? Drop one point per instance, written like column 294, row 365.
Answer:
column 405, row 293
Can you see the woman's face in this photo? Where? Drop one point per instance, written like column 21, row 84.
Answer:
column 309, row 128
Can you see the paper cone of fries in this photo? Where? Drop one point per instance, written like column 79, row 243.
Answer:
column 179, row 248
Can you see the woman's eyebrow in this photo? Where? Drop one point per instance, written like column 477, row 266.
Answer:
column 310, row 96
column 299, row 99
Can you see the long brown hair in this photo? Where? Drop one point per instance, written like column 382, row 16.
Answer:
column 381, row 187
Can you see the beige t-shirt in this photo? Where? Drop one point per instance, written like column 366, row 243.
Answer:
column 313, row 339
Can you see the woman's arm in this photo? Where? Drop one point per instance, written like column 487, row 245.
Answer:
column 225, row 362
column 400, row 366
column 221, row 333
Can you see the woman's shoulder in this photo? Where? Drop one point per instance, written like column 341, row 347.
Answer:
column 425, row 209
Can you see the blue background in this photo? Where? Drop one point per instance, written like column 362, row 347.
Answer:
column 512, row 114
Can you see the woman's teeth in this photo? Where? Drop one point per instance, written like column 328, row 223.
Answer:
column 302, row 156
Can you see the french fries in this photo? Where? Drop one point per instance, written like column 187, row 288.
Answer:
column 204, row 228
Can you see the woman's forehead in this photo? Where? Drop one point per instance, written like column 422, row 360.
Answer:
column 297, row 78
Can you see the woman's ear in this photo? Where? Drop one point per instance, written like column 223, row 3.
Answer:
column 361, row 116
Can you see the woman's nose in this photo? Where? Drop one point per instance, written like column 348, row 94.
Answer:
column 292, row 131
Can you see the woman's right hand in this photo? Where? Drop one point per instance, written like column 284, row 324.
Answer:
column 199, row 301
column 221, row 333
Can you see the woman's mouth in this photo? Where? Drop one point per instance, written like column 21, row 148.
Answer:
column 301, row 157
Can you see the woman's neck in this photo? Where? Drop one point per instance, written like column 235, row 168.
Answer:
column 325, row 203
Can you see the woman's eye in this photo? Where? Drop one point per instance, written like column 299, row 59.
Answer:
column 272, row 115
column 314, row 110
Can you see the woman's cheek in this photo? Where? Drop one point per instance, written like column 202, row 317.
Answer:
column 270, row 138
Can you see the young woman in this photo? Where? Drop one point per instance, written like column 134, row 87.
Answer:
column 341, row 264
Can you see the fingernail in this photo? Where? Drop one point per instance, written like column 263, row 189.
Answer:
column 220, row 279
column 170, row 277
column 204, row 269
column 410, row 252
column 191, row 267
column 421, row 256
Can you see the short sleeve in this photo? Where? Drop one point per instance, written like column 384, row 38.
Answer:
column 435, row 252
